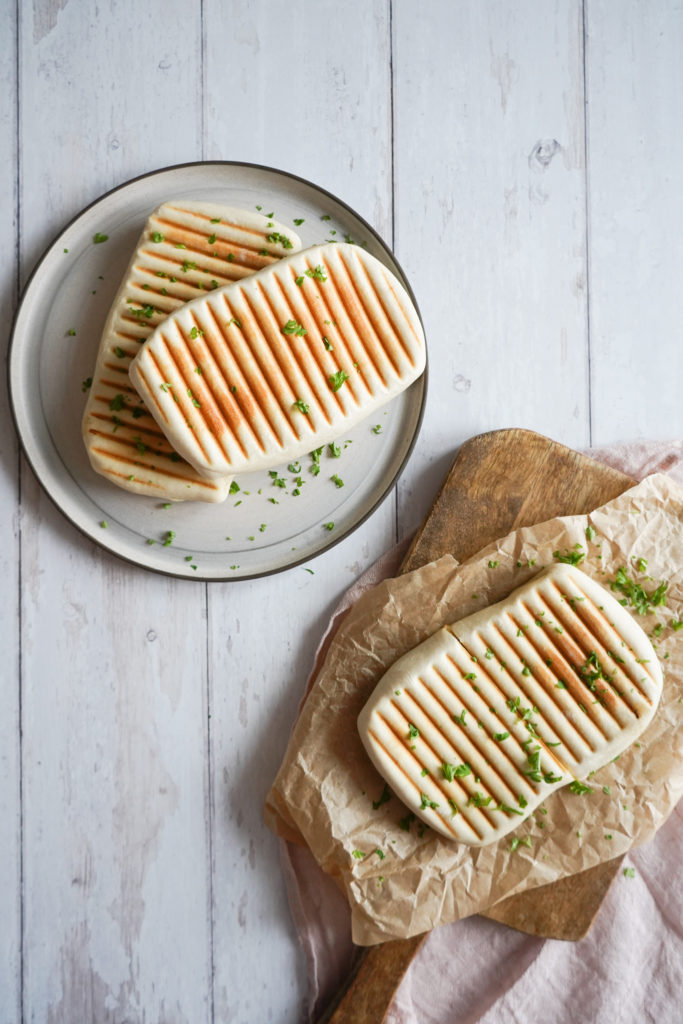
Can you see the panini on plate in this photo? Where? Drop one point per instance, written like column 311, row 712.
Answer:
column 477, row 725
column 282, row 362
column 187, row 249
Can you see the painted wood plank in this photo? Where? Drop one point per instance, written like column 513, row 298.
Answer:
column 307, row 90
column 634, row 70
column 10, row 741
column 114, row 669
column 490, row 221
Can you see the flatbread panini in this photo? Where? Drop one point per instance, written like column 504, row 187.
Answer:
column 285, row 361
column 186, row 249
column 476, row 726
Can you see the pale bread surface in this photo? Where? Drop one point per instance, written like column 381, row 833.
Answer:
column 186, row 248
column 244, row 378
column 525, row 667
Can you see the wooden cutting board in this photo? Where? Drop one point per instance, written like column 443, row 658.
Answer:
column 499, row 482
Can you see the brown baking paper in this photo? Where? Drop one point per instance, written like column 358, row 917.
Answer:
column 401, row 883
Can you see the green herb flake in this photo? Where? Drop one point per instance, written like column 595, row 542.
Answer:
column 384, row 798
column 292, row 327
column 425, row 802
column 358, row 854
column 157, row 237
column 571, row 556
column 86, row 384
column 317, row 272
column 329, row 526
column 196, row 332
column 301, row 406
column 629, row 872
column 579, row 789
column 590, row 534
column 337, row 481
column 413, row 731
column 98, row 238
column 337, row 379
column 500, row 736
column 493, row 565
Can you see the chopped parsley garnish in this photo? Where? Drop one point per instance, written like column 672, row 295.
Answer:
column 211, row 238
column 337, row 481
column 299, row 280
column 298, row 221
column 169, row 538
column 317, row 272
column 292, row 327
column 235, row 321
column 329, row 526
column 275, row 236
column 478, row 799
column 301, row 406
column 337, row 379
column 86, row 384
column 117, row 403
column 358, row 854
column 425, row 802
column 71, row 333
column 196, row 332
column 325, row 216
column 629, row 872
column 157, row 237
column 377, row 429
column 188, row 265
column 234, row 487
column 334, row 450
column 500, row 736
column 460, row 719
column 571, row 556
column 590, row 534
column 455, row 771
column 413, row 731
column 579, row 788
column 98, row 237
column 635, row 595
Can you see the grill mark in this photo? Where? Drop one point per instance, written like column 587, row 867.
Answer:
column 329, row 315
column 127, row 425
column 237, row 269
column 146, row 323
column 184, row 401
column 568, row 617
column 418, row 341
column 193, row 233
column 513, row 736
column 495, row 744
column 255, row 364
column 150, row 272
column 319, row 355
column 355, row 310
column 584, row 689
column 465, row 811
column 196, row 386
column 121, row 367
column 600, row 614
column 274, row 350
column 162, row 472
column 390, row 325
column 242, row 416
column 419, row 707
column 301, row 363
column 129, row 337
column 572, row 641
column 551, row 697
column 116, row 386
column 332, row 308
column 224, row 223
column 520, row 687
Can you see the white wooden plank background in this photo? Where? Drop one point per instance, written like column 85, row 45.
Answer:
column 525, row 163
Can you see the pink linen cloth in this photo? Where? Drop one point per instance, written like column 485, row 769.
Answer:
column 627, row 970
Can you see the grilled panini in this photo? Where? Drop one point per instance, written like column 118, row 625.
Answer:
column 186, row 249
column 476, row 726
column 266, row 369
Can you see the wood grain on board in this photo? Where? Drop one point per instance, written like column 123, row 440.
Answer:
column 499, row 482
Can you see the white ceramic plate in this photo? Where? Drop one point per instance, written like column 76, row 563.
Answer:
column 249, row 534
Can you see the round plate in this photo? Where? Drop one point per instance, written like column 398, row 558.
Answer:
column 269, row 524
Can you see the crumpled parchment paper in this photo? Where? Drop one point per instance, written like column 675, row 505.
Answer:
column 328, row 794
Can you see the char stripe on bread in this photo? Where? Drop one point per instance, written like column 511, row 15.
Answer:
column 291, row 358
column 487, row 717
column 182, row 263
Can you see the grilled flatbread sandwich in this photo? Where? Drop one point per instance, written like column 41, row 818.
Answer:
column 268, row 368
column 187, row 249
column 478, row 724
